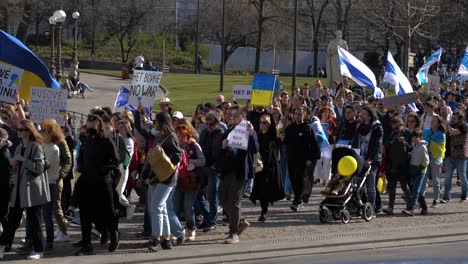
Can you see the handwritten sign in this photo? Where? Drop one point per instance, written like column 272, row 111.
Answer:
column 48, row 103
column 402, row 99
column 10, row 80
column 241, row 91
column 433, row 84
column 238, row 137
column 145, row 87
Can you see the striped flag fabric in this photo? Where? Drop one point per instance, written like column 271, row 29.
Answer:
column 463, row 69
column 355, row 69
column 321, row 137
column 394, row 75
column 424, row 71
column 122, row 97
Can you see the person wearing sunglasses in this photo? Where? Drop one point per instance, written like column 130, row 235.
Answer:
column 30, row 189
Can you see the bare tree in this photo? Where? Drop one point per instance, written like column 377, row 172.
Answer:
column 239, row 29
column 123, row 19
column 402, row 19
column 342, row 14
column 314, row 14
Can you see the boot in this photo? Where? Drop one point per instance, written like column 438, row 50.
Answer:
column 424, row 208
column 388, row 210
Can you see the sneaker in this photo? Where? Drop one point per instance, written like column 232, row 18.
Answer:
column 262, row 218
column 130, row 212
column 388, row 210
column 444, row 201
column 154, row 245
column 209, row 228
column 85, row 251
column 62, row 237
column 191, row 234
column 435, row 204
column 243, row 225
column 408, row 212
column 296, row 207
column 2, row 251
column 35, row 255
column 232, row 239
column 166, row 244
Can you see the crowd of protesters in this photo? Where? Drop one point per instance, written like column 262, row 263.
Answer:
column 106, row 160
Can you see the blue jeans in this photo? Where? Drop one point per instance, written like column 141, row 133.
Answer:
column 209, row 209
column 249, row 186
column 372, row 196
column 433, row 173
column 450, row 165
column 158, row 194
column 284, row 170
column 177, row 229
column 185, row 201
column 417, row 187
column 47, row 213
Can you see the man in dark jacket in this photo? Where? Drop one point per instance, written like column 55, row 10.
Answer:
column 302, row 149
column 368, row 139
column 238, row 168
column 210, row 141
column 348, row 127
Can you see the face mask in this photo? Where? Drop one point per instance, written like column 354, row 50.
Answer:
column 91, row 131
column 154, row 132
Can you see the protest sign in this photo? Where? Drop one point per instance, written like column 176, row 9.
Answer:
column 238, row 138
column 10, row 81
column 263, row 86
column 402, row 99
column 241, row 91
column 48, row 103
column 433, row 84
column 145, row 87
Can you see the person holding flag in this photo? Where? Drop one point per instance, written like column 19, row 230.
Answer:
column 422, row 74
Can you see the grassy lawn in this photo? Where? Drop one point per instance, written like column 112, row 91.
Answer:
column 188, row 90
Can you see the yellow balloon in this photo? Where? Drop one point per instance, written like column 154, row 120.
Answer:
column 347, row 166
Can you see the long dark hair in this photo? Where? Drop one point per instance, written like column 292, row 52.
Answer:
column 371, row 112
column 164, row 121
column 101, row 132
column 35, row 135
column 441, row 126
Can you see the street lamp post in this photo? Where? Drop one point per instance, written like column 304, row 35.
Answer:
column 60, row 17
column 293, row 81
column 197, row 62
column 221, row 79
column 75, row 16
column 52, row 45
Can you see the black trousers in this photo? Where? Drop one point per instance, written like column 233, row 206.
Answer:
column 392, row 179
column 297, row 177
column 33, row 218
column 96, row 203
column 308, row 181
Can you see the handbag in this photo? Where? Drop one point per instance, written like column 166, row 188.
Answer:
column 258, row 162
column 160, row 164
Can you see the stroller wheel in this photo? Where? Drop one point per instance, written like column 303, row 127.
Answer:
column 336, row 215
column 323, row 215
column 368, row 212
column 345, row 216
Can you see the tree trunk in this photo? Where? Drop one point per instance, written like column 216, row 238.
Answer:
column 122, row 48
column 25, row 21
column 315, row 44
column 93, row 30
column 38, row 21
column 259, row 38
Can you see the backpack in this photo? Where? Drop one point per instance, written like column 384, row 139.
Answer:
column 188, row 181
column 183, row 165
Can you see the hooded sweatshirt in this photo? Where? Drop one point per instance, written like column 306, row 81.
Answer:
column 420, row 155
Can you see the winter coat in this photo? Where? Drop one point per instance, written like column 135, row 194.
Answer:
column 374, row 148
column 31, row 181
column 238, row 161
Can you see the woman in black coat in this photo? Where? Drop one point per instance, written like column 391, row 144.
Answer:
column 268, row 183
column 5, row 174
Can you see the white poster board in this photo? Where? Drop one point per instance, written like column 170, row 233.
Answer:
column 48, row 103
column 241, row 91
column 238, row 138
column 433, row 84
column 144, row 88
column 10, row 81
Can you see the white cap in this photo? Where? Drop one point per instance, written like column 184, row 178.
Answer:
column 178, row 115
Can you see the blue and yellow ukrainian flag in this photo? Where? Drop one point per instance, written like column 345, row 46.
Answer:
column 436, row 140
column 263, row 86
column 14, row 53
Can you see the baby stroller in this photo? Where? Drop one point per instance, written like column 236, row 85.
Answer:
column 350, row 202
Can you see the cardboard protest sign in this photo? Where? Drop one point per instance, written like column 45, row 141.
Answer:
column 433, row 84
column 145, row 87
column 402, row 99
column 241, row 91
column 238, row 138
column 10, row 81
column 263, row 86
column 48, row 103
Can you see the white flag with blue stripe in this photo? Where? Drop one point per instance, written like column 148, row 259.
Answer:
column 355, row 69
column 424, row 71
column 394, row 75
column 463, row 70
column 321, row 136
